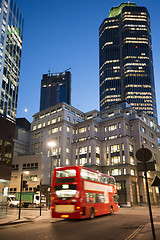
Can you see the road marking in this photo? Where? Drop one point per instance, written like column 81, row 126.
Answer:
column 134, row 233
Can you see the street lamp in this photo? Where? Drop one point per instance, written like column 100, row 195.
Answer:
column 20, row 200
column 51, row 144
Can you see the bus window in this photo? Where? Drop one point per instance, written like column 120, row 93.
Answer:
column 92, row 176
column 115, row 196
column 90, row 197
column 112, row 181
column 66, row 173
column 99, row 197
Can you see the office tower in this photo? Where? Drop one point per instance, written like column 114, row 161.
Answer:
column 55, row 89
column 126, row 65
column 11, row 28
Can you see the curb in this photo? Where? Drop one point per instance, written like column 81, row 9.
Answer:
column 31, row 220
column 13, row 223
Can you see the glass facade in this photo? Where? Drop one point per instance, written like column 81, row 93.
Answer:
column 11, row 34
column 55, row 89
column 126, row 65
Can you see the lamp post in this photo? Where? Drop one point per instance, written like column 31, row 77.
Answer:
column 20, row 200
column 51, row 144
column 40, row 195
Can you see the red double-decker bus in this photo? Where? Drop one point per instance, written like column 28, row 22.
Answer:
column 79, row 192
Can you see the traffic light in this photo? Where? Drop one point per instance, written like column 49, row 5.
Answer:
column 24, row 184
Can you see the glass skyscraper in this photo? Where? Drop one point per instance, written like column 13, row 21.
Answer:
column 55, row 89
column 126, row 65
column 11, row 30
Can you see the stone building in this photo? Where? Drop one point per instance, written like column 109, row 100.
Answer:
column 105, row 141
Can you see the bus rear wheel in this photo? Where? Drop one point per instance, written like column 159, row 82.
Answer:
column 92, row 213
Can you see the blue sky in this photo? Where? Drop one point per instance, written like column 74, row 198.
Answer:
column 59, row 34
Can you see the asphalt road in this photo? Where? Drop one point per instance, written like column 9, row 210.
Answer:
column 109, row 227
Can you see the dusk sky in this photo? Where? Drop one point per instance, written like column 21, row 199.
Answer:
column 59, row 34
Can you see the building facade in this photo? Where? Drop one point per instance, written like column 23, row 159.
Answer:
column 125, row 59
column 22, row 137
column 55, row 89
column 106, row 141
column 11, row 30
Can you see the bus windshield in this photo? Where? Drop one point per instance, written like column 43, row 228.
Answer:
column 66, row 173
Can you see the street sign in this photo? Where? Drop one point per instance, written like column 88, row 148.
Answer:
column 143, row 154
column 150, row 166
column 156, row 182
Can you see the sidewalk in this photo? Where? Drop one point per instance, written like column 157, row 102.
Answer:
column 146, row 232
column 27, row 215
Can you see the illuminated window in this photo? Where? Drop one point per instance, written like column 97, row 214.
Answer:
column 116, row 172
column 82, row 130
column 97, row 161
column 82, row 139
column 130, row 148
column 112, row 137
column 37, row 135
column 112, row 127
column 98, row 149
column 82, row 150
column 67, row 161
column 37, row 145
column 59, row 118
column 68, row 129
column 83, row 161
column 67, row 150
column 34, row 127
column 95, row 128
column 132, row 171
column 53, row 120
column 131, row 160
column 115, row 160
column 111, row 114
column 54, row 130
column 115, row 148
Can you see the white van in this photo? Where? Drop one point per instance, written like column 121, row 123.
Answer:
column 36, row 200
column 12, row 201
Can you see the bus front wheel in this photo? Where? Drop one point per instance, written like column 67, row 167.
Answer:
column 92, row 213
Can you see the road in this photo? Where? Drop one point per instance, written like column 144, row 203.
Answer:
column 118, row 226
